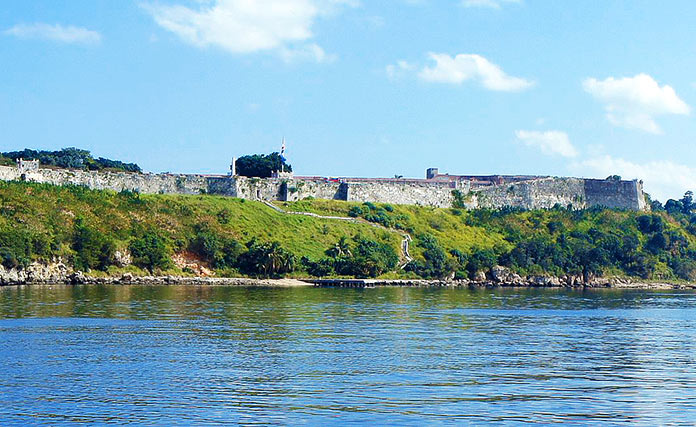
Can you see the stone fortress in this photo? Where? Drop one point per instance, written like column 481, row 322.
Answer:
column 438, row 190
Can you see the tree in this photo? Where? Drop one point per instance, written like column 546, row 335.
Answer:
column 688, row 202
column 150, row 251
column 267, row 259
column 93, row 248
column 260, row 165
column 340, row 249
column 435, row 262
column 674, row 206
column 72, row 158
column 371, row 258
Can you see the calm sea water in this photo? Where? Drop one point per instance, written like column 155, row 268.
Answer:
column 176, row 354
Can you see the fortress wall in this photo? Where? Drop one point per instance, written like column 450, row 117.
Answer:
column 436, row 194
column 299, row 189
column 615, row 194
column 222, row 186
column 256, row 188
column 9, row 173
column 539, row 193
column 536, row 194
column 116, row 181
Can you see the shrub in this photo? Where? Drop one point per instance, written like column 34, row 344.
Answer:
column 435, row 262
column 370, row 259
column 355, row 212
column 93, row 249
column 150, row 251
column 323, row 267
column 8, row 258
column 267, row 259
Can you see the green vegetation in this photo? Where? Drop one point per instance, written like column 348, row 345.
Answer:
column 656, row 245
column 87, row 229
column 71, row 158
column 260, row 165
column 96, row 230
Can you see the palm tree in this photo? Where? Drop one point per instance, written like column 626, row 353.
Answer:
column 341, row 248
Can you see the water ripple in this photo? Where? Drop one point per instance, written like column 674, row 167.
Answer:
column 173, row 354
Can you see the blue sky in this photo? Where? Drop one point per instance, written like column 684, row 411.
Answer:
column 359, row 88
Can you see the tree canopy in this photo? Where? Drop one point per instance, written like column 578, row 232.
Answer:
column 71, row 158
column 261, row 165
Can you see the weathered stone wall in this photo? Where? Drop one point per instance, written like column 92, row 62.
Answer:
column 116, row 181
column 301, row 188
column 540, row 193
column 437, row 194
column 615, row 194
column 257, row 188
column 535, row 193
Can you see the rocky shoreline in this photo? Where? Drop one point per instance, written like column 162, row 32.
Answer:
column 59, row 273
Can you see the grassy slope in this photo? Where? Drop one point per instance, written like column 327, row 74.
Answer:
column 51, row 211
column 465, row 230
column 449, row 228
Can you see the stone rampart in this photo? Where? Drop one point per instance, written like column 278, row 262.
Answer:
column 535, row 194
column 406, row 192
column 614, row 194
column 116, row 181
column 531, row 194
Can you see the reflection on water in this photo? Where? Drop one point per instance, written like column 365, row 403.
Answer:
column 165, row 354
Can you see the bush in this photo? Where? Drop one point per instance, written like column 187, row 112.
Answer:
column 150, row 251
column 355, row 212
column 323, row 267
column 370, row 259
column 93, row 249
column 435, row 262
column 8, row 258
column 220, row 252
column 266, row 259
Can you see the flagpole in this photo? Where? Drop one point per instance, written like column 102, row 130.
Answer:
column 282, row 153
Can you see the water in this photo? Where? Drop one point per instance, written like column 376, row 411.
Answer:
column 176, row 354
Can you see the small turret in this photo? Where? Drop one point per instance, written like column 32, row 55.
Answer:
column 431, row 173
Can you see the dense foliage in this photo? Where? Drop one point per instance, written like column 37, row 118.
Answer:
column 96, row 230
column 88, row 229
column 261, row 165
column 72, row 158
column 652, row 245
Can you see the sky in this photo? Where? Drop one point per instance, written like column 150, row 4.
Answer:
column 358, row 87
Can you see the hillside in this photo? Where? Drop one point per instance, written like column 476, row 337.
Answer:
column 110, row 233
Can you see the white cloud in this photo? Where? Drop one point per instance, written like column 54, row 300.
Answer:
column 395, row 71
column 245, row 26
column 463, row 67
column 663, row 179
column 550, row 142
column 56, row 32
column 309, row 52
column 491, row 4
column 634, row 102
